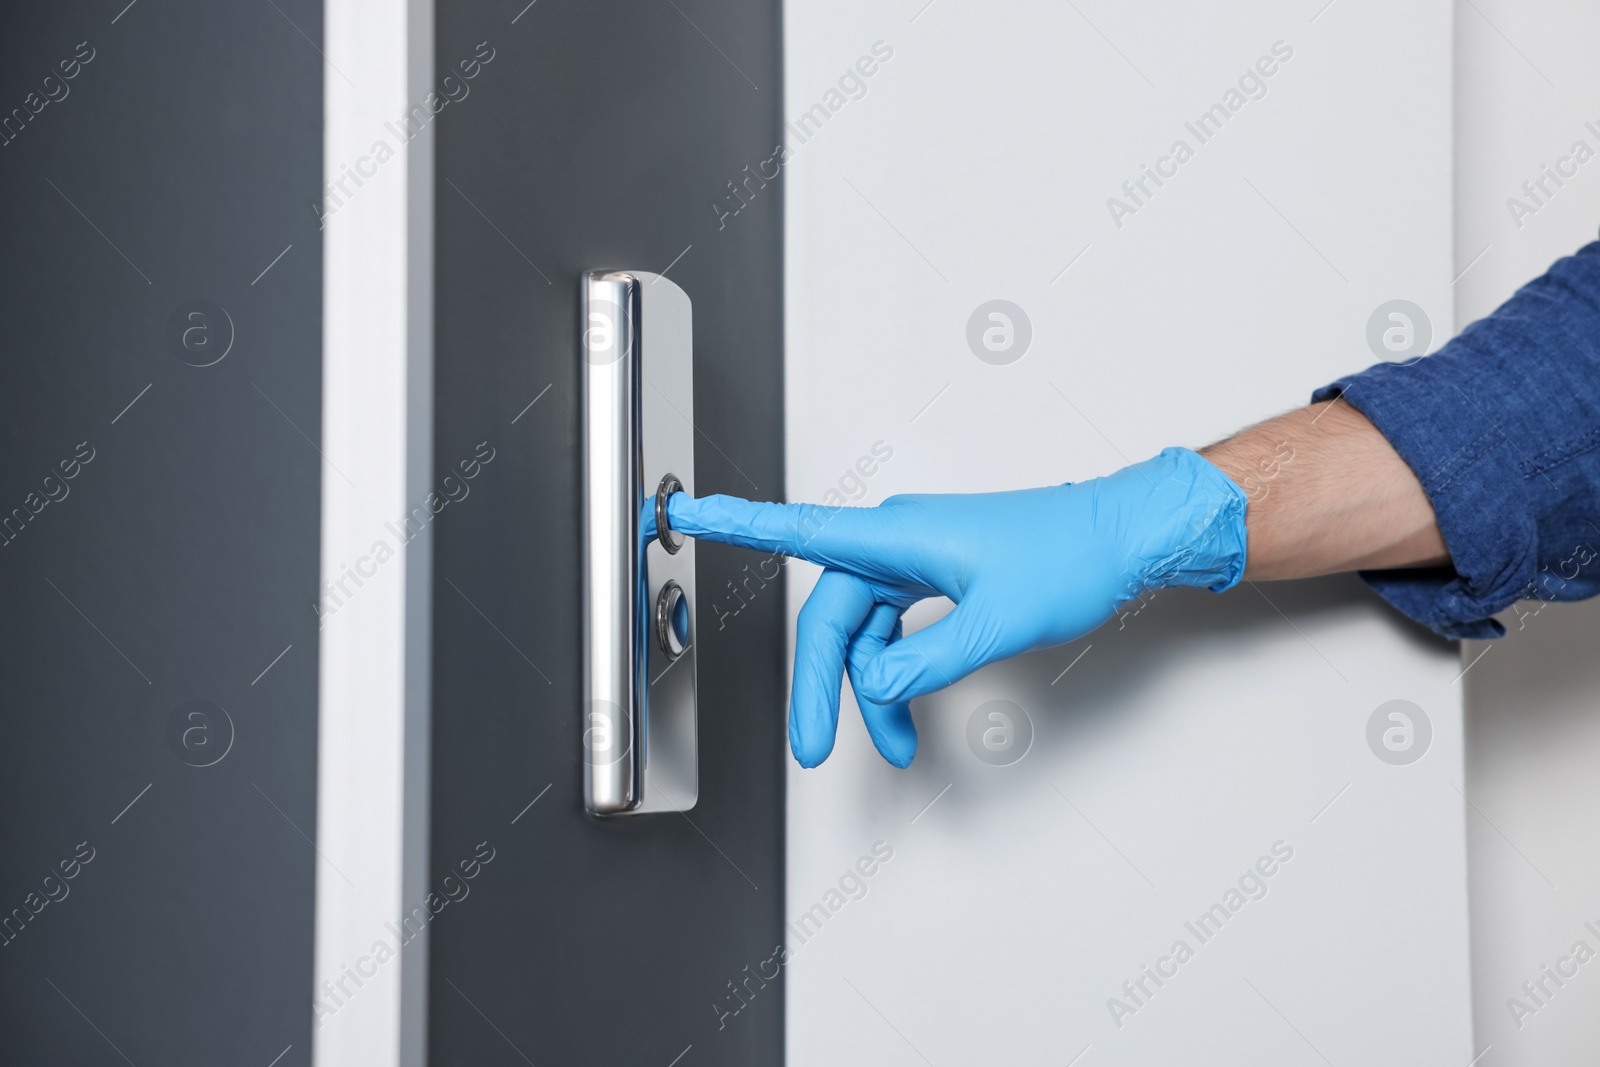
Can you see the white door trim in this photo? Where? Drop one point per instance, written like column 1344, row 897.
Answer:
column 370, row 970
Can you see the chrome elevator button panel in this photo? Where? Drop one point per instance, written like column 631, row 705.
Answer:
column 640, row 744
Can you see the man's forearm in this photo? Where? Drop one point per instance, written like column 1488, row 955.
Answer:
column 1327, row 494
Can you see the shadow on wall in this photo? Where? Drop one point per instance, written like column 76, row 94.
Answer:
column 1077, row 695
column 1532, row 728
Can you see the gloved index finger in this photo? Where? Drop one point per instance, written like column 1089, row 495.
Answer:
column 853, row 539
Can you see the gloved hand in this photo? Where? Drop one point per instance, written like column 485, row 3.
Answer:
column 1026, row 569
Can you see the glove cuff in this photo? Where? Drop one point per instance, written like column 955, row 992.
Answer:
column 1200, row 513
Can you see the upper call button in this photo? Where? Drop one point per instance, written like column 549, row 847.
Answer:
column 670, row 539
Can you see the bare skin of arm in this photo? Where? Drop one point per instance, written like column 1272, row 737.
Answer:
column 1327, row 494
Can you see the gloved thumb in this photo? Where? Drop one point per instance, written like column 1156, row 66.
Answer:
column 928, row 660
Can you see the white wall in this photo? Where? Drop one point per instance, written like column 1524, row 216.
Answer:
column 1177, row 750
column 1526, row 84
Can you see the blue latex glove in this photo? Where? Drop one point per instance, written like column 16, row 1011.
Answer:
column 1026, row 569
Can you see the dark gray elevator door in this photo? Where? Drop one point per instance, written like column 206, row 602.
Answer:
column 160, row 403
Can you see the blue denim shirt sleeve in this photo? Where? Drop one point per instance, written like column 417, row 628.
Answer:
column 1502, row 427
